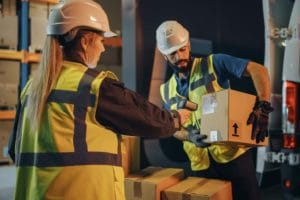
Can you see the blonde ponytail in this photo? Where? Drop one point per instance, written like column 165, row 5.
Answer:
column 43, row 80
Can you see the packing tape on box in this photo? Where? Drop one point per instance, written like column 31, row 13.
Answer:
column 137, row 186
column 137, row 189
column 186, row 195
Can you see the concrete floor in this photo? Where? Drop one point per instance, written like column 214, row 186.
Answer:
column 7, row 182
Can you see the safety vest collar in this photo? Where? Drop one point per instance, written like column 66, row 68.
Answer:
column 77, row 65
column 207, row 78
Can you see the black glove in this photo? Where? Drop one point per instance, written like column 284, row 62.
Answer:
column 259, row 118
column 195, row 137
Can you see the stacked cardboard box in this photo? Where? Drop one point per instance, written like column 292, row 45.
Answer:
column 38, row 13
column 130, row 154
column 6, row 127
column 9, row 80
column 38, row 9
column 194, row 188
column 8, row 18
column 150, row 182
column 8, row 7
column 9, row 36
column 224, row 117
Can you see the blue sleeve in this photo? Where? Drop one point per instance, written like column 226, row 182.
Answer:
column 228, row 67
column 166, row 106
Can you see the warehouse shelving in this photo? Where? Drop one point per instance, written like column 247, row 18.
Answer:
column 23, row 40
column 22, row 56
column 10, row 55
column 7, row 114
column 113, row 41
column 46, row 1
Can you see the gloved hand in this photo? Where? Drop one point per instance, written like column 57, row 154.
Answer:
column 195, row 137
column 259, row 118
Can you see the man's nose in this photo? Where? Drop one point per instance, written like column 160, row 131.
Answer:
column 176, row 56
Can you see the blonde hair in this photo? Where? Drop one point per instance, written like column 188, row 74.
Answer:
column 44, row 80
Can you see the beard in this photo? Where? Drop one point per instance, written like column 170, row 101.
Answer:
column 184, row 70
column 177, row 69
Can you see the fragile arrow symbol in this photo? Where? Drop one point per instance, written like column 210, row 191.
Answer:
column 235, row 126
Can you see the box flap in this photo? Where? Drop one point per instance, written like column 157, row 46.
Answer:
column 199, row 188
column 148, row 183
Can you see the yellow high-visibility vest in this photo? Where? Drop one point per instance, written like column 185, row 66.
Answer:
column 203, row 80
column 71, row 156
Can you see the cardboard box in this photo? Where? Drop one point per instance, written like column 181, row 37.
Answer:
column 38, row 9
column 9, row 83
column 6, row 127
column 9, row 72
column 148, row 183
column 8, row 7
column 8, row 95
column 37, row 33
column 9, row 36
column 224, row 117
column 130, row 146
column 194, row 188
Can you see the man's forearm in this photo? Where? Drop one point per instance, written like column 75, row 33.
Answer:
column 259, row 75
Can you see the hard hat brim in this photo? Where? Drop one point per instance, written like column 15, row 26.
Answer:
column 109, row 34
column 173, row 49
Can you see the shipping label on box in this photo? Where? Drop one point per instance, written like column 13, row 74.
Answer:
column 224, row 117
column 200, row 189
column 148, row 183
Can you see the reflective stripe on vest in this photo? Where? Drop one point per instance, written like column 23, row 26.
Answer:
column 67, row 159
column 81, row 99
column 207, row 79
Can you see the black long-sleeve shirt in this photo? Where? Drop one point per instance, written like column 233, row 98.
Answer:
column 127, row 112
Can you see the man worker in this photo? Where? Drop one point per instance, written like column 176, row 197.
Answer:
column 194, row 77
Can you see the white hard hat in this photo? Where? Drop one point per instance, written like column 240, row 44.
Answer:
column 171, row 36
column 78, row 13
